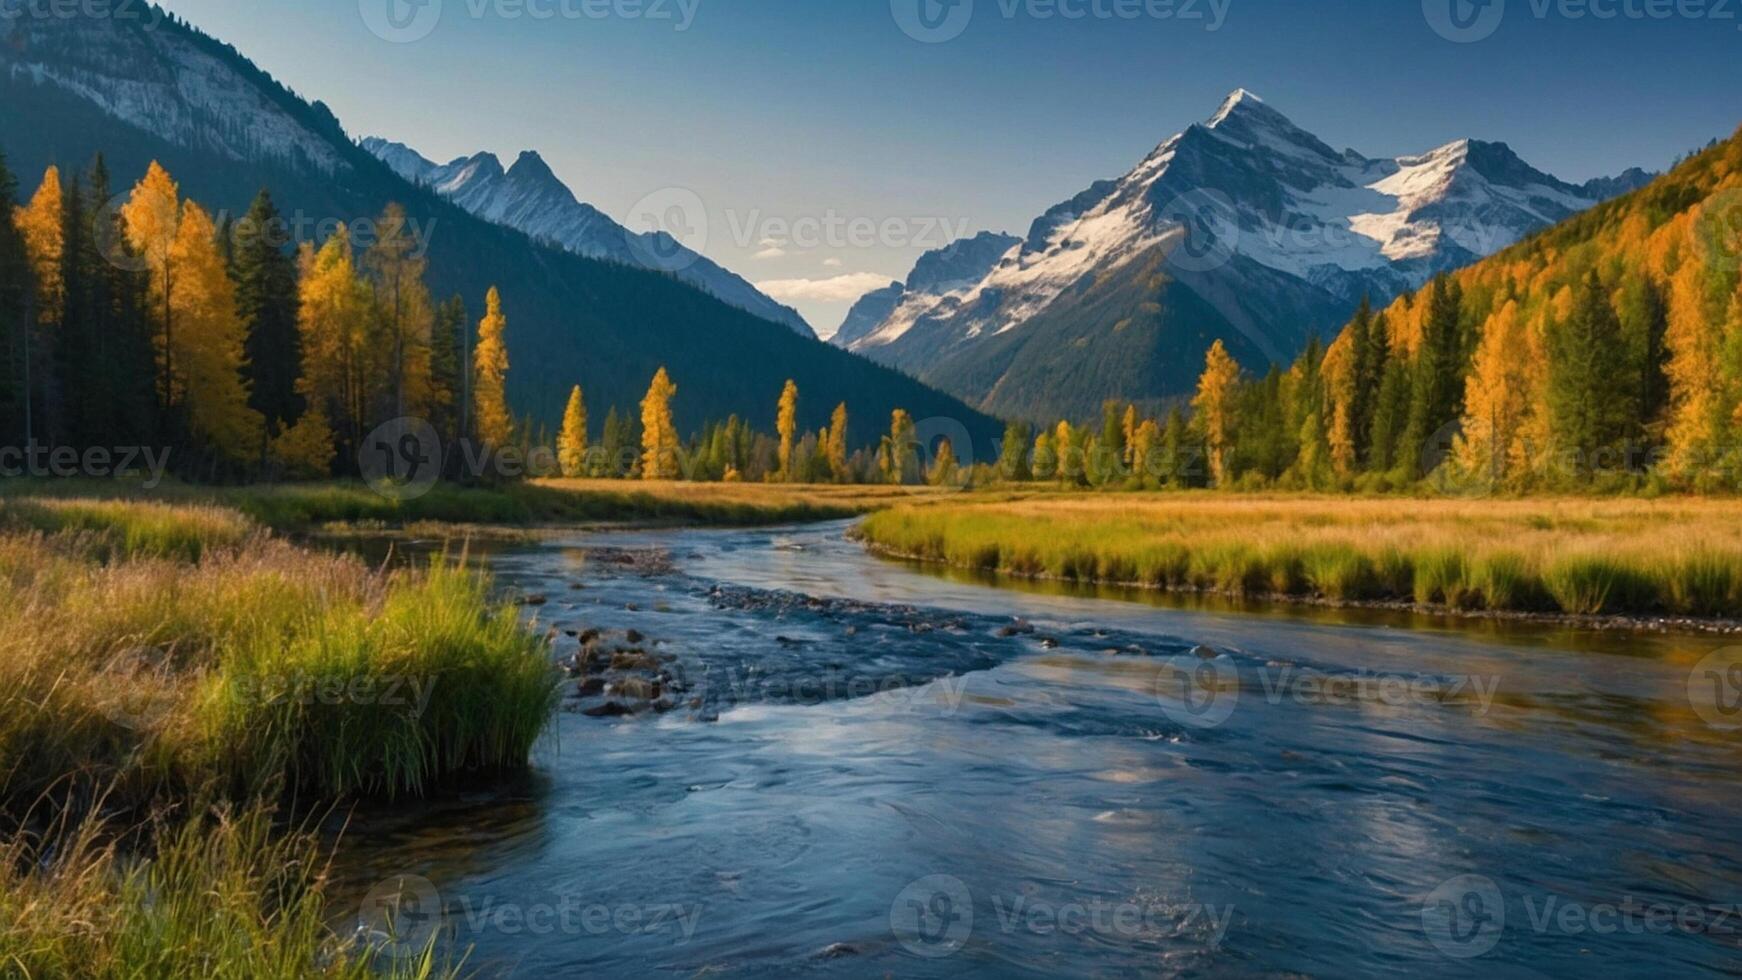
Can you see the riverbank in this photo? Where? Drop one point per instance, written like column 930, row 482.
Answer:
column 172, row 677
column 1674, row 564
column 350, row 505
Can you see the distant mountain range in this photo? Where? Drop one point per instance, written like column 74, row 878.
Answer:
column 1245, row 228
column 528, row 197
column 137, row 90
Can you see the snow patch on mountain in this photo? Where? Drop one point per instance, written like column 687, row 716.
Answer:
column 530, row 198
column 1248, row 184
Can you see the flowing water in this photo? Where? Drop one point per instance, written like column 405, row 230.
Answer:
column 872, row 769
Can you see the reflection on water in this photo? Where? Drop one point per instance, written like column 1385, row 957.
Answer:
column 888, row 770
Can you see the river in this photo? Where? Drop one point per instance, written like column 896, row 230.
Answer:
column 872, row 768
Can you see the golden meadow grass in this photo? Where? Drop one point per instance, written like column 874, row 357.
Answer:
column 302, row 506
column 227, row 896
column 153, row 656
column 1680, row 557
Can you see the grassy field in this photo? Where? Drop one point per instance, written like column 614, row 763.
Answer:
column 1680, row 557
column 741, row 503
column 308, row 506
column 177, row 667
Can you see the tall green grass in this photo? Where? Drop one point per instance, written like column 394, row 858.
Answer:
column 1622, row 558
column 222, row 895
column 267, row 665
column 122, row 529
column 154, row 657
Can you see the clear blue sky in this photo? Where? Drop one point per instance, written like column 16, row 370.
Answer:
column 826, row 110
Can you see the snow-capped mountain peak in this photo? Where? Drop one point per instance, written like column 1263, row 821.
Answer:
column 1236, row 100
column 529, row 197
column 1275, row 232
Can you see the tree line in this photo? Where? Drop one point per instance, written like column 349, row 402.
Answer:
column 1381, row 409
column 1603, row 355
column 648, row 447
column 143, row 320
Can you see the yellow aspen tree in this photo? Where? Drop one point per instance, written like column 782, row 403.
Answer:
column 332, row 317
column 1698, row 414
column 571, row 442
column 305, row 449
column 899, row 457
column 152, row 216
column 1529, row 455
column 39, row 222
column 1070, row 462
column 1215, row 407
column 659, row 448
column 786, row 424
column 1338, row 372
column 1045, row 464
column 944, row 470
column 1496, row 397
column 405, row 311
column 490, row 367
column 1129, row 428
column 208, row 347
column 837, row 443
column 1145, row 443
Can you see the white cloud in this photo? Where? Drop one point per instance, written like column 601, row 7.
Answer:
column 771, row 243
column 838, row 289
column 771, row 252
column 832, row 263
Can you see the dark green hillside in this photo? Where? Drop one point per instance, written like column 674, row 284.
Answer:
column 571, row 320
